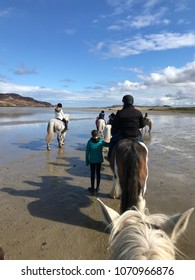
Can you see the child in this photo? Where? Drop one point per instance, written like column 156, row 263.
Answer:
column 59, row 114
column 94, row 158
column 102, row 115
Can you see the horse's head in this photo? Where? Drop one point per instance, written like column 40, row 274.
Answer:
column 139, row 235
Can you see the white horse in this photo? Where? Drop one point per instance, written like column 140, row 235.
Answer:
column 148, row 123
column 55, row 125
column 107, row 134
column 100, row 125
column 138, row 235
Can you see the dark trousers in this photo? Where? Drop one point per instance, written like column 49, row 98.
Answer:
column 95, row 170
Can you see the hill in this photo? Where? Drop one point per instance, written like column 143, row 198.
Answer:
column 16, row 100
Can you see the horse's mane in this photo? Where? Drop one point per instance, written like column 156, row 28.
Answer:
column 130, row 153
column 138, row 236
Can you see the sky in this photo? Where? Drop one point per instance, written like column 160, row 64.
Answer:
column 90, row 53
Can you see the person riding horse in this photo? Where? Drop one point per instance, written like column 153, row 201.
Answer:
column 59, row 114
column 126, row 124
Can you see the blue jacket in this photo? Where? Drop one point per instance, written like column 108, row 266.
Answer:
column 94, row 151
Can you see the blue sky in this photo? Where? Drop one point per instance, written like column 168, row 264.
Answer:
column 92, row 52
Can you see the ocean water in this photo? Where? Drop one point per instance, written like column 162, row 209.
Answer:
column 16, row 116
column 25, row 128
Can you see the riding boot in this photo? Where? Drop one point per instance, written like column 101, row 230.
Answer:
column 66, row 125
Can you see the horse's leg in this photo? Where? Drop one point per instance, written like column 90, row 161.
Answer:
column 116, row 189
column 150, row 126
column 143, row 174
column 59, row 139
column 48, row 147
column 63, row 137
column 141, row 204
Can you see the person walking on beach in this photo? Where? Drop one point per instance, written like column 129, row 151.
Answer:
column 126, row 124
column 59, row 114
column 94, row 158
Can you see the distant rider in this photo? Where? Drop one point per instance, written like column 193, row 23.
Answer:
column 59, row 114
column 146, row 116
column 102, row 115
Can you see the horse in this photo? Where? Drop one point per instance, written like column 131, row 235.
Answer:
column 100, row 126
column 107, row 134
column 148, row 123
column 129, row 164
column 137, row 235
column 55, row 125
column 107, row 129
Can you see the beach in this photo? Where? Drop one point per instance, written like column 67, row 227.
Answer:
column 46, row 210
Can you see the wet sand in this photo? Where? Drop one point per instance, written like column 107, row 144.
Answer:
column 47, row 212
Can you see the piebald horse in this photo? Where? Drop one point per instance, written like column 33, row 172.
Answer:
column 137, row 235
column 129, row 163
column 55, row 125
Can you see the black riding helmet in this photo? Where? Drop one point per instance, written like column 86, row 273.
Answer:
column 128, row 99
column 59, row 105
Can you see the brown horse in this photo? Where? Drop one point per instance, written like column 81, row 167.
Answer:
column 129, row 163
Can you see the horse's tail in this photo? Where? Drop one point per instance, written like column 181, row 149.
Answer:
column 50, row 131
column 132, row 177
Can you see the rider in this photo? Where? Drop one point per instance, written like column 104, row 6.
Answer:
column 127, row 123
column 146, row 116
column 59, row 114
column 101, row 115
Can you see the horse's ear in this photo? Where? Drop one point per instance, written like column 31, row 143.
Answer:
column 108, row 214
column 179, row 223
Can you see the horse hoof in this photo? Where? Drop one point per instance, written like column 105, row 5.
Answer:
column 48, row 148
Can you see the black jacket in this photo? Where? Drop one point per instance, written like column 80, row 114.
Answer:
column 127, row 122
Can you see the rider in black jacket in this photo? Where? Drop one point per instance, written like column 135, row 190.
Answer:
column 127, row 123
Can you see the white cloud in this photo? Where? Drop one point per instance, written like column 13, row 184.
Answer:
column 169, row 86
column 139, row 44
column 172, row 75
column 127, row 86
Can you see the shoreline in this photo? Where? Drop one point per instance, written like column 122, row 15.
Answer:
column 155, row 110
column 46, row 209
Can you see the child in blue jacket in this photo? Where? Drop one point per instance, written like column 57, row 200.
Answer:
column 94, row 158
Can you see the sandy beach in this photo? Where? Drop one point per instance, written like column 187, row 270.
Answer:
column 46, row 210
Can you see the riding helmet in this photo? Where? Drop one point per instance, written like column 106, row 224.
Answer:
column 128, row 99
column 59, row 105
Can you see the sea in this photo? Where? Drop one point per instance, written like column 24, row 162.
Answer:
column 25, row 128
